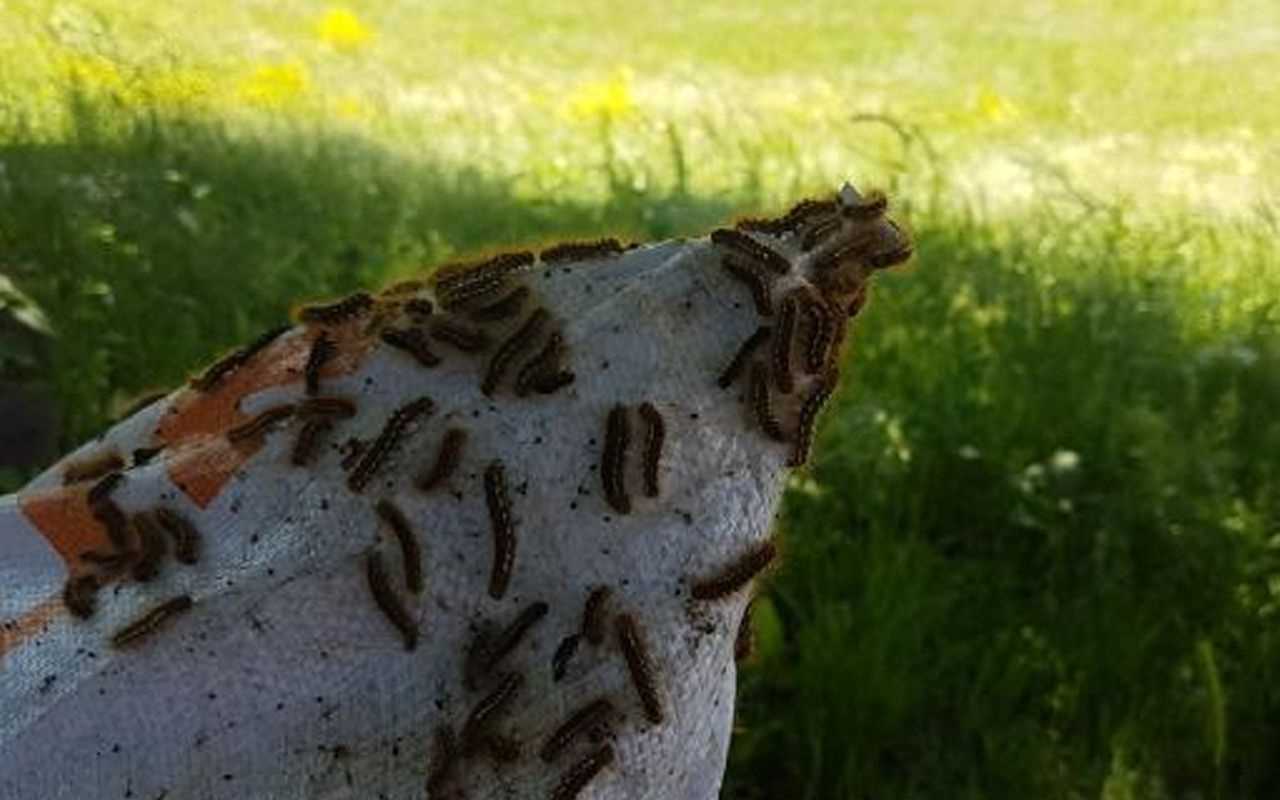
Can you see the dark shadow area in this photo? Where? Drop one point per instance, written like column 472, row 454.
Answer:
column 153, row 243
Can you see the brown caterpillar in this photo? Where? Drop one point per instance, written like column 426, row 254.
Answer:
column 456, row 275
column 389, row 602
column 304, row 447
column 93, row 467
column 553, row 382
column 852, row 248
column 541, row 364
column 151, row 542
column 459, row 335
column 581, row 721
column 487, row 709
column 235, row 360
column 890, row 258
column 580, row 251
column 857, row 302
column 506, row 306
column 582, row 773
column 260, row 423
column 504, row 529
column 593, row 615
column 511, row 347
column 819, row 231
column 339, row 407
column 186, row 539
column 444, row 761
column 808, row 417
column 640, row 666
column 412, row 341
column 101, row 490
column 755, row 280
column 613, row 464
column 373, row 456
column 108, row 561
column 735, row 575
column 762, row 403
column 143, row 455
column 489, row 651
column 419, row 307
column 563, row 655
column 744, row 643
column 787, row 223
column 753, row 250
column 783, row 343
column 115, row 522
column 744, row 352
column 353, row 448
column 322, row 349
column 502, row 749
column 655, row 437
column 821, row 327
column 341, row 311
column 409, row 548
column 80, row 595
column 150, row 622
column 447, row 458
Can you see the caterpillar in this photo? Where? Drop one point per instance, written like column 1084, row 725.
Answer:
column 819, row 231
column 339, row 407
column 186, row 539
column 506, row 306
column 580, row 251
column 105, row 485
column 151, row 542
column 744, row 642
column 640, row 666
column 822, row 327
column 419, row 307
column 93, row 467
column 409, row 548
column 808, row 417
column 493, row 649
column 444, row 761
column 582, row 773
column 736, row 574
column 511, row 347
column 613, row 463
column 413, row 342
column 553, row 381
column 890, row 258
column 762, row 403
column 459, row 335
column 115, row 523
column 143, row 455
column 744, row 352
column 150, row 622
column 258, row 425
column 373, row 456
column 593, row 615
column 223, row 367
column 389, row 602
column 322, row 349
column 654, row 440
column 488, row 708
column 581, row 721
column 853, row 247
column 447, row 458
column 782, row 343
column 340, row 311
column 787, row 223
column 540, row 365
column 504, row 530
column 80, row 595
column 756, row 281
column 753, row 250
column 109, row 561
column 454, row 276
column 304, row 447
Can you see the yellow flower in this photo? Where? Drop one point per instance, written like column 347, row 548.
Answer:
column 349, row 107
column 275, row 84
column 609, row 99
column 341, row 29
column 994, row 107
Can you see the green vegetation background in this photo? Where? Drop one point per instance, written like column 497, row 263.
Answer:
column 1038, row 553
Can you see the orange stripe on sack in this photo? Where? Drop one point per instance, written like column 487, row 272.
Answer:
column 29, row 623
column 63, row 517
column 200, row 419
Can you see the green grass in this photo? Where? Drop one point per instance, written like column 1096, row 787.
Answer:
column 1038, row 552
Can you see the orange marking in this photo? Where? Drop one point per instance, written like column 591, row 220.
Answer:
column 31, row 622
column 63, row 516
column 201, row 418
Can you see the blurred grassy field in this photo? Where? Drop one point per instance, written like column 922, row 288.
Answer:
column 1038, row 554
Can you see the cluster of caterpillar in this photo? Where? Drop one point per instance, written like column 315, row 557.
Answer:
column 617, row 442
